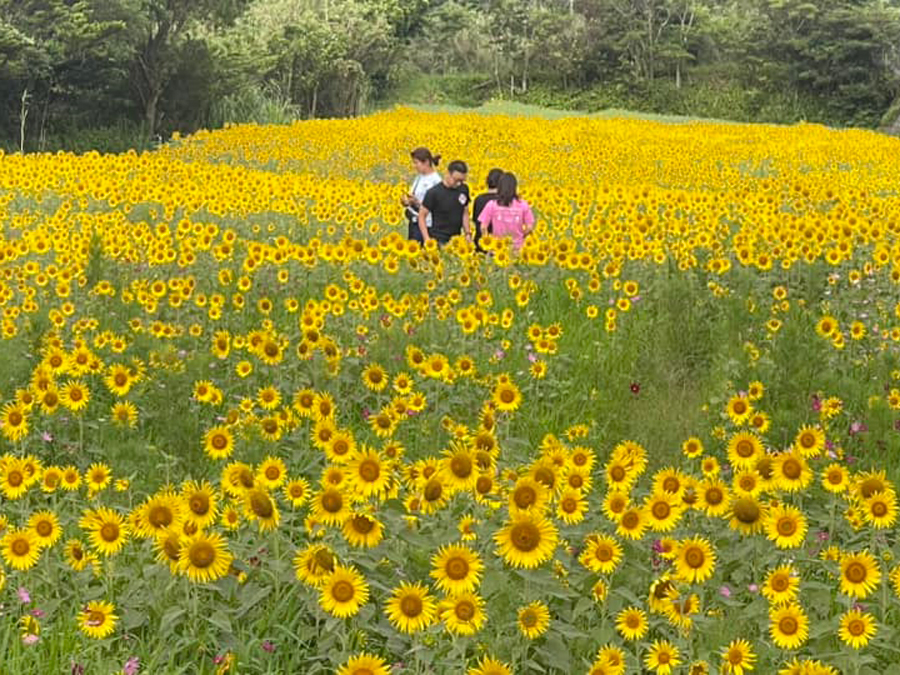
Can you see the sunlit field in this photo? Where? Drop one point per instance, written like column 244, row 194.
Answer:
column 248, row 428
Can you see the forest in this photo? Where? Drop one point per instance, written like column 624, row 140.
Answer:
column 112, row 74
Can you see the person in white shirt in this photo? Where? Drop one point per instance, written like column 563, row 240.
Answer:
column 427, row 177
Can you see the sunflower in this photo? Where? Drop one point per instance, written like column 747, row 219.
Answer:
column 506, row 397
column 490, row 666
column 456, row 569
column 314, row 564
column 71, row 478
column 662, row 657
column 14, row 421
column 747, row 516
column 410, row 608
column 323, row 407
column 341, row 447
column 45, row 526
column 739, row 409
column 124, row 413
column 680, row 611
column 790, row 472
column 789, row 626
column 533, row 620
column 304, row 402
column 713, row 497
column 835, row 478
column 51, row 479
column 159, row 513
column 20, row 549
column 98, row 477
column 118, row 379
column 602, row 554
column 362, row 530
column 168, row 549
column 786, row 526
column 261, row 507
column 204, row 557
column 781, row 585
column 809, row 442
column 860, row 574
column 747, row 483
column 633, row 523
column 880, row 510
column 631, row 623
column 375, row 378
column 271, row 427
column 344, row 592
column 108, row 530
column 271, row 472
column 201, row 502
column 620, row 475
column 74, row 395
column 238, row 478
column 434, row 495
column 857, row 628
column 663, row 511
column 76, row 556
column 738, row 657
column 331, row 507
column 463, row 614
column 365, row 664
column 670, row 480
column 297, row 492
column 695, row 560
column 528, row 495
column 744, row 448
column 369, row 476
column 526, row 540
column 13, row 478
column 460, row 467
column 868, row 483
column 97, row 619
column 692, row 447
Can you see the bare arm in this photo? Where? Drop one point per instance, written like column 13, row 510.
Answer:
column 466, row 225
column 423, row 222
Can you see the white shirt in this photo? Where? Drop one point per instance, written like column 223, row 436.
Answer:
column 422, row 184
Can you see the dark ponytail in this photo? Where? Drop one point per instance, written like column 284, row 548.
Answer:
column 506, row 189
column 424, row 155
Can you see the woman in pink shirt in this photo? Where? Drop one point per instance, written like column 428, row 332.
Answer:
column 508, row 215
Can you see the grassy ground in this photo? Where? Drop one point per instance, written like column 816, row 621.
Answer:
column 499, row 107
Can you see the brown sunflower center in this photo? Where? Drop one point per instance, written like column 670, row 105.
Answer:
column 465, row 610
column 411, row 605
column 525, row 536
column 202, row 554
column 109, row 532
column 343, row 591
column 856, row 572
column 457, row 568
column 694, row 557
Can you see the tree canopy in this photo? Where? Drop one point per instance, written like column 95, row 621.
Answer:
column 157, row 66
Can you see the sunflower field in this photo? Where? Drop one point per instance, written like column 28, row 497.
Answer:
column 248, row 428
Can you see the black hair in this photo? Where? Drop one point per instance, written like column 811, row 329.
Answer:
column 458, row 166
column 493, row 178
column 424, row 155
column 506, row 189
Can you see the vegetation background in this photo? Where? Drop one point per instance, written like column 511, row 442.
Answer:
column 112, row 74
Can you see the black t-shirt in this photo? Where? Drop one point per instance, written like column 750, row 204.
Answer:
column 478, row 205
column 446, row 206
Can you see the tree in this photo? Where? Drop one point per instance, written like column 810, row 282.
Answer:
column 160, row 26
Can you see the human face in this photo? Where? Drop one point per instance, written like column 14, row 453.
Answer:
column 457, row 178
column 422, row 166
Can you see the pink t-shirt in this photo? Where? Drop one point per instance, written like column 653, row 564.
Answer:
column 507, row 221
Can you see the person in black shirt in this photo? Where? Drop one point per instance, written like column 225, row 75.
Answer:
column 448, row 204
column 493, row 179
